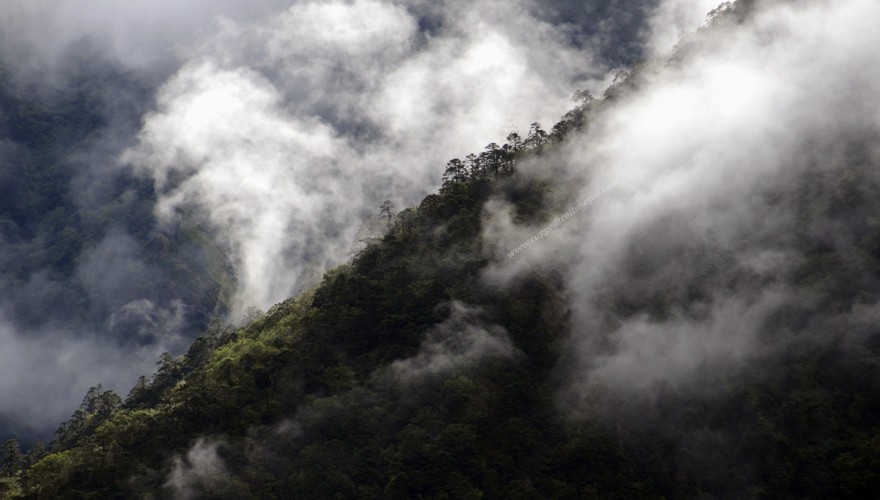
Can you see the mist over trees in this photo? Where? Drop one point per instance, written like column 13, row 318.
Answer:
column 705, row 328
column 113, row 214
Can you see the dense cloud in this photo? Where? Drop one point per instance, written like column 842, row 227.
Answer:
column 674, row 20
column 45, row 374
column 288, row 133
column 138, row 34
column 275, row 128
column 684, row 267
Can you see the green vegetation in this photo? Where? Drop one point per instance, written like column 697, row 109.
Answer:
column 403, row 374
column 330, row 349
column 311, row 399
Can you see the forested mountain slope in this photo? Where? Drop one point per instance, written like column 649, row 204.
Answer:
column 160, row 168
column 436, row 364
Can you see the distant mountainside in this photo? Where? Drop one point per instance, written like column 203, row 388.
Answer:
column 727, row 348
column 126, row 228
column 79, row 246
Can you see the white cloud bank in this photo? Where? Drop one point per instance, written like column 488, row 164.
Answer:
column 280, row 126
column 748, row 110
column 43, row 376
column 284, row 133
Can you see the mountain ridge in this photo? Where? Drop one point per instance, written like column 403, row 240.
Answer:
column 426, row 368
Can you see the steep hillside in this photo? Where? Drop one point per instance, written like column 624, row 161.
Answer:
column 403, row 332
column 721, row 346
